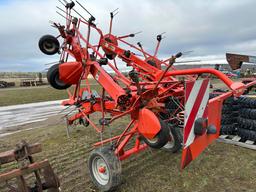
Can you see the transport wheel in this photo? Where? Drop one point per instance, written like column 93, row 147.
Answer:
column 161, row 138
column 53, row 78
column 49, row 45
column 105, row 169
column 175, row 141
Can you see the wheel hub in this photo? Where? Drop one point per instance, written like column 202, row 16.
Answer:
column 102, row 170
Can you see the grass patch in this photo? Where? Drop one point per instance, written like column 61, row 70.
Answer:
column 221, row 167
column 34, row 94
column 30, row 95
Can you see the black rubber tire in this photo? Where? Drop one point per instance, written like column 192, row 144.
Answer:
column 228, row 130
column 246, row 134
column 227, row 115
column 176, row 136
column 161, row 138
column 247, row 102
column 248, row 113
column 229, row 100
column 226, row 121
column 247, row 123
column 49, row 45
column 235, row 114
column 236, row 107
column 113, row 166
column 226, row 109
column 53, row 78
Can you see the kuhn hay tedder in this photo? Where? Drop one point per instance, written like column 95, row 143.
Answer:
column 161, row 105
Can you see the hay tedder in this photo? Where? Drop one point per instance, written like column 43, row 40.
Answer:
column 162, row 103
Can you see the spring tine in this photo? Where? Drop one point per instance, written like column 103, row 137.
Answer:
column 62, row 16
column 80, row 15
column 60, row 9
column 115, row 10
column 115, row 14
column 187, row 52
column 85, row 9
column 137, row 33
column 62, row 3
column 64, row 109
column 56, row 62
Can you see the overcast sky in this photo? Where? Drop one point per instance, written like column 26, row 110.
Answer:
column 208, row 27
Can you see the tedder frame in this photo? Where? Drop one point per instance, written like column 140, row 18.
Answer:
column 162, row 103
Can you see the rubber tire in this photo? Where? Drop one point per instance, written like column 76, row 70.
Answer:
column 228, row 129
column 235, row 114
column 53, row 78
column 49, row 39
column 226, row 109
column 229, row 100
column 236, row 107
column 162, row 137
column 113, row 164
column 248, row 113
column 247, row 102
column 247, row 123
column 178, row 139
column 227, row 121
column 246, row 134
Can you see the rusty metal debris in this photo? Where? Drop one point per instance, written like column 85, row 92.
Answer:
column 44, row 177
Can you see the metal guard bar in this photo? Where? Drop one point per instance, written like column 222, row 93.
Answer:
column 237, row 87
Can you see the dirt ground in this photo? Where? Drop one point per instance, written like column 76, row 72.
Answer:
column 221, row 167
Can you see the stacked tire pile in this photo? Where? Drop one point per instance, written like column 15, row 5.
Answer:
column 246, row 128
column 230, row 114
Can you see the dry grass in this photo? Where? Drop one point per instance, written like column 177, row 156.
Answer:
column 30, row 95
column 14, row 96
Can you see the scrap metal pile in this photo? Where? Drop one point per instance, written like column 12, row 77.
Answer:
column 159, row 103
column 40, row 174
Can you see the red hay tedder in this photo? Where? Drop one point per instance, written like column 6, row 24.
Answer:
column 160, row 105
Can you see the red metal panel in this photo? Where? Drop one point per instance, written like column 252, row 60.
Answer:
column 70, row 72
column 111, row 87
column 148, row 124
column 197, row 96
